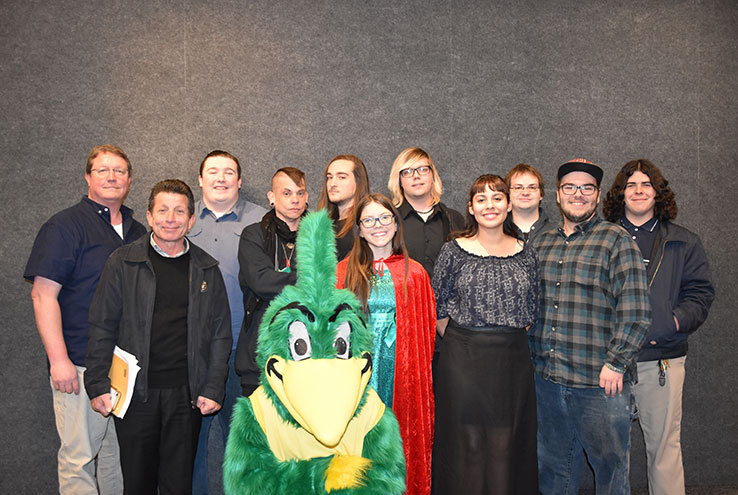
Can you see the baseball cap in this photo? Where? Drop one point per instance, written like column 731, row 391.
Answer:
column 580, row 165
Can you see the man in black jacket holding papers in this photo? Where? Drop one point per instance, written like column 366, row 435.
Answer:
column 163, row 300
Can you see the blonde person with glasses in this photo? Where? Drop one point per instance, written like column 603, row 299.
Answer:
column 397, row 297
column 527, row 219
column 416, row 190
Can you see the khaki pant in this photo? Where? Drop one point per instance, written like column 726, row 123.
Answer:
column 88, row 457
column 660, row 416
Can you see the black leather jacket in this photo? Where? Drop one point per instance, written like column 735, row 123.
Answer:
column 122, row 311
column 680, row 285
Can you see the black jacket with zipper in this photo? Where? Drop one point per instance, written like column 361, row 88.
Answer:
column 680, row 285
column 121, row 313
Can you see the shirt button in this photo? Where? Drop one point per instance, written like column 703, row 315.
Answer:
column 653, row 342
column 566, row 242
column 560, row 262
column 553, row 329
column 636, row 229
column 552, row 350
column 558, row 283
column 556, row 306
column 634, row 237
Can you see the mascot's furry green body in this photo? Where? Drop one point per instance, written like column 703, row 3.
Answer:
column 313, row 426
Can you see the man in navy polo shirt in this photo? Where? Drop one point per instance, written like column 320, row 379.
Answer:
column 64, row 266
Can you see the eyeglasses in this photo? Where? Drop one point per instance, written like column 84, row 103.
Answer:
column 103, row 172
column 571, row 189
column 409, row 172
column 369, row 222
column 520, row 188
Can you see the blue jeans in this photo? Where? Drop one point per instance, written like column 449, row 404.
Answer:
column 573, row 422
column 200, row 479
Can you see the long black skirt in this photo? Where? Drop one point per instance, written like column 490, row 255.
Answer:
column 485, row 429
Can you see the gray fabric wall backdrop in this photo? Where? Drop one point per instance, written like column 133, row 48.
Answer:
column 481, row 85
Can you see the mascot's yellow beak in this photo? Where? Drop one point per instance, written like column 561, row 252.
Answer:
column 321, row 394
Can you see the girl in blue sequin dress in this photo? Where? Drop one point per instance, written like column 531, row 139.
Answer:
column 398, row 300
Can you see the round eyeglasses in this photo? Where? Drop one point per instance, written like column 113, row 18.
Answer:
column 369, row 222
column 571, row 189
column 409, row 172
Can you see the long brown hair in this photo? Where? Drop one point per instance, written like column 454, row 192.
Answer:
column 359, row 273
column 495, row 183
column 613, row 209
column 361, row 177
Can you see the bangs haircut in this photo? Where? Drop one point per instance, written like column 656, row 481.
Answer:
column 407, row 158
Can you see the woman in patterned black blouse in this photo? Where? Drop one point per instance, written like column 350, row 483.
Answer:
column 486, row 288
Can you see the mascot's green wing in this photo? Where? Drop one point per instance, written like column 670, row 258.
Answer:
column 251, row 468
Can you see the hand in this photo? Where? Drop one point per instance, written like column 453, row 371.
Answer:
column 611, row 381
column 676, row 322
column 102, row 404
column 207, row 406
column 441, row 326
column 64, row 376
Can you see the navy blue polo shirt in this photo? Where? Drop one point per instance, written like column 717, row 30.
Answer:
column 71, row 249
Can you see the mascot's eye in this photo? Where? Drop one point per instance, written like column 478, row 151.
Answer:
column 341, row 342
column 299, row 341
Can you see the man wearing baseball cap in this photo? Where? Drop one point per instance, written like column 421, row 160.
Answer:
column 594, row 316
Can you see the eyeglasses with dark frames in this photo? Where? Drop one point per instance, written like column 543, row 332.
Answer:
column 571, row 189
column 369, row 222
column 409, row 172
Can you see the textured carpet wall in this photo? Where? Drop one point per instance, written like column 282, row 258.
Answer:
column 481, row 85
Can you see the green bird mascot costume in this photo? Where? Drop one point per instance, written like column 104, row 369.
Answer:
column 314, row 426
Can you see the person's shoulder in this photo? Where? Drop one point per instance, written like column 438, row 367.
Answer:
column 252, row 231
column 609, row 229
column 678, row 232
column 452, row 213
column 415, row 267
column 249, row 213
column 200, row 256
column 71, row 214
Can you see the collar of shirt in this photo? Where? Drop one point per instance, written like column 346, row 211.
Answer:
column 233, row 214
column 164, row 253
column 406, row 209
column 632, row 228
column 581, row 228
column 104, row 211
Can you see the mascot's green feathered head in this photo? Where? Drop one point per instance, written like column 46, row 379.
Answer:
column 314, row 346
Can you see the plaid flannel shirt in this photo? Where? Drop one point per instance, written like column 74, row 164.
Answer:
column 595, row 306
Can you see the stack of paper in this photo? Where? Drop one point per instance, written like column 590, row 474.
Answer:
column 122, row 376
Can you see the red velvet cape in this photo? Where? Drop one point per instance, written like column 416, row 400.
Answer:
column 413, row 387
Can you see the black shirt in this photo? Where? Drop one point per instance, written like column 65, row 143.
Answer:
column 425, row 238
column 644, row 235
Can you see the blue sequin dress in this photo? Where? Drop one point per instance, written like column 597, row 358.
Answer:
column 383, row 323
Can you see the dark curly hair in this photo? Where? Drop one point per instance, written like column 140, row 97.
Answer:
column 613, row 209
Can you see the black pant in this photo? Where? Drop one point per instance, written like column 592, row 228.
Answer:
column 158, row 442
